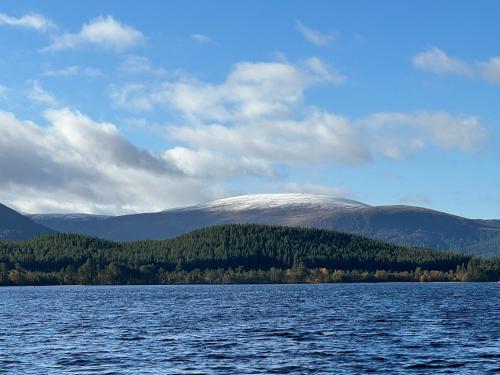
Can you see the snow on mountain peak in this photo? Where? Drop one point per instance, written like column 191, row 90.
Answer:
column 290, row 200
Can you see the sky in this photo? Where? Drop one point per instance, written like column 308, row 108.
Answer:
column 116, row 107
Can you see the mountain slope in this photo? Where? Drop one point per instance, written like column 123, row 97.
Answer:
column 15, row 227
column 416, row 226
column 398, row 224
column 232, row 254
column 251, row 246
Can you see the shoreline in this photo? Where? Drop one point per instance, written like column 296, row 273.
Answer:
column 249, row 284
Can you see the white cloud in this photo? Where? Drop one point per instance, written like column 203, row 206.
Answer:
column 251, row 89
column 316, row 37
column 140, row 65
column 490, row 71
column 316, row 138
column 202, row 38
column 397, row 134
column 131, row 97
column 206, row 163
column 324, row 72
column 101, row 32
column 437, row 61
column 29, row 21
column 256, row 120
column 73, row 70
column 76, row 164
column 38, row 94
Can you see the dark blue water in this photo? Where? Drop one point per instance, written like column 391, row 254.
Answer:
column 349, row 328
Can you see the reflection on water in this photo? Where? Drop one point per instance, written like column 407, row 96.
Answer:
column 344, row 328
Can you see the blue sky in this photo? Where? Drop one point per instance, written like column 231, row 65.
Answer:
column 124, row 106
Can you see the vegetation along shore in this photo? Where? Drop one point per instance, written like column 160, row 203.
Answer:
column 233, row 254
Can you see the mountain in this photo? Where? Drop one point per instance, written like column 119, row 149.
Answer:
column 247, row 253
column 403, row 225
column 15, row 227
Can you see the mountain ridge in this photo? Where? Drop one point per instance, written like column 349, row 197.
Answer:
column 400, row 224
column 15, row 226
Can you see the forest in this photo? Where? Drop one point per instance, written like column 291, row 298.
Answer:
column 232, row 254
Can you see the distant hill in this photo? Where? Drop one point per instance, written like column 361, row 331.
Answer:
column 16, row 227
column 232, row 254
column 403, row 225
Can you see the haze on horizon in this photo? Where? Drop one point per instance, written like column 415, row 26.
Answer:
column 118, row 107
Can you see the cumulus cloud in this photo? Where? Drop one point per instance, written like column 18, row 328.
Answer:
column 318, row 137
column 76, row 164
column 398, row 134
column 206, row 163
column 316, row 37
column 437, row 61
column 28, row 21
column 38, row 94
column 202, row 38
column 256, row 119
column 255, row 122
column 73, row 70
column 102, row 32
column 251, row 89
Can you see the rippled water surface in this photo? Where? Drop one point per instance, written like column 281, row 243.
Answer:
column 346, row 328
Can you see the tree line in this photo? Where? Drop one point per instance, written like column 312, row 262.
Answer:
column 232, row 254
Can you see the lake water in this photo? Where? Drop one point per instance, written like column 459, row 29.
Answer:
column 339, row 328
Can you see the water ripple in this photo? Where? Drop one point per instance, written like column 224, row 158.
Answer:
column 251, row 329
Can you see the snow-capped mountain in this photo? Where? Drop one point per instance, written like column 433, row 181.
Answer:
column 270, row 201
column 399, row 224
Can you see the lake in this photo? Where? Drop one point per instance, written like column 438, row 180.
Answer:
column 235, row 329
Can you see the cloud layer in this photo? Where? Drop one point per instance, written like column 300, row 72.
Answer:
column 78, row 165
column 255, row 122
column 75, row 164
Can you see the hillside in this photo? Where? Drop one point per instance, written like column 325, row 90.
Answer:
column 15, row 227
column 277, row 254
column 404, row 225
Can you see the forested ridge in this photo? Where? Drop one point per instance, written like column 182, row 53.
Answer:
column 232, row 254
